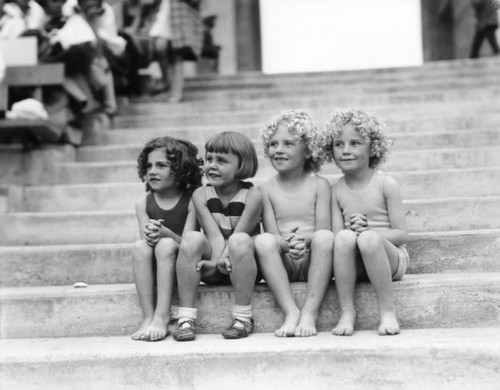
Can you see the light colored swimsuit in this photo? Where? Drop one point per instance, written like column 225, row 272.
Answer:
column 371, row 202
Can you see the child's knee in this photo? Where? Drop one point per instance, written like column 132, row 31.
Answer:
column 323, row 239
column 345, row 239
column 240, row 244
column 141, row 250
column 265, row 243
column 370, row 241
column 192, row 238
column 192, row 246
column 166, row 248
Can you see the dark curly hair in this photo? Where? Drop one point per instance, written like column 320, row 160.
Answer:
column 185, row 165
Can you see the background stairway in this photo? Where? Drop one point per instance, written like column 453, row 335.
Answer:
column 79, row 226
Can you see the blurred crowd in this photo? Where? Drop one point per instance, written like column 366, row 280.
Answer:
column 104, row 45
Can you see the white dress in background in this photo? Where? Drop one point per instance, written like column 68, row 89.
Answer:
column 161, row 25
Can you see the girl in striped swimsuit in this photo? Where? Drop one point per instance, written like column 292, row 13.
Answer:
column 228, row 210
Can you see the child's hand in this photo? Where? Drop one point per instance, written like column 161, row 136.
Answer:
column 152, row 231
column 296, row 244
column 358, row 223
column 224, row 265
column 207, row 264
column 291, row 235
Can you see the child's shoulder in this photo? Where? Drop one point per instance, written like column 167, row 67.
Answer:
column 141, row 203
column 387, row 183
column 142, row 199
column 200, row 192
column 321, row 180
column 265, row 185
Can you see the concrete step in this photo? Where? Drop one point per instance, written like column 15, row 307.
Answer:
column 416, row 359
column 436, row 114
column 490, row 96
column 436, row 252
column 195, row 131
column 122, row 195
column 422, row 301
column 428, row 71
column 126, row 172
column 421, row 140
column 328, row 87
column 400, row 159
column 100, row 227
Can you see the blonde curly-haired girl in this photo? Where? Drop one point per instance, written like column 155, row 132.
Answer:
column 368, row 217
column 298, row 241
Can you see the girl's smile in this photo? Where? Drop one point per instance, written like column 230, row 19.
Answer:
column 220, row 168
column 286, row 151
column 351, row 152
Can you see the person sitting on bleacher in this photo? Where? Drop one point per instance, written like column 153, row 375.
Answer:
column 12, row 22
column 88, row 84
column 115, row 45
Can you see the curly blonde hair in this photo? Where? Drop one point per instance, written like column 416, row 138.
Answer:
column 367, row 126
column 298, row 123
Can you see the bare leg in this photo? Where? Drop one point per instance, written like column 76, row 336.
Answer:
column 160, row 47
column 320, row 274
column 244, row 267
column 142, row 256
column 177, row 81
column 344, row 269
column 193, row 247
column 380, row 263
column 271, row 264
column 165, row 253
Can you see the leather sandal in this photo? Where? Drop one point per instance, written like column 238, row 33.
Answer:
column 236, row 332
column 185, row 333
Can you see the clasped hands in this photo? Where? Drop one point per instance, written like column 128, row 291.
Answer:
column 152, row 231
column 296, row 243
column 358, row 223
column 222, row 264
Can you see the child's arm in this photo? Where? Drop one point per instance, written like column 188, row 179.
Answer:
column 251, row 213
column 210, row 228
column 191, row 221
column 323, row 205
column 322, row 214
column 246, row 224
column 337, row 216
column 269, row 219
column 147, row 230
column 398, row 234
column 142, row 217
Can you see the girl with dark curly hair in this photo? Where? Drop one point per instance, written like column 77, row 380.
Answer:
column 171, row 170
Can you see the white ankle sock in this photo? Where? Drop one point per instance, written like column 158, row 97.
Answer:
column 187, row 314
column 243, row 313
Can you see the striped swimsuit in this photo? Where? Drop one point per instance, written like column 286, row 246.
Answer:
column 227, row 217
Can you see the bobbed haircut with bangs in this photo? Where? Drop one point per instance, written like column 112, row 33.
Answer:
column 239, row 145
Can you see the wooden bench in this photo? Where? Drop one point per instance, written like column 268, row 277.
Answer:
column 30, row 132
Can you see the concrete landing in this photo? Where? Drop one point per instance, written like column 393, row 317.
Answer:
column 423, row 301
column 416, row 359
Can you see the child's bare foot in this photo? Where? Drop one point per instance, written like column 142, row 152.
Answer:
column 142, row 333
column 306, row 326
column 157, row 330
column 389, row 324
column 288, row 327
column 345, row 326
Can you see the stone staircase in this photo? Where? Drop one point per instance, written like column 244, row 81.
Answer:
column 67, row 216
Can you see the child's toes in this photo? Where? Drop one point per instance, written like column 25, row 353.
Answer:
column 388, row 330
